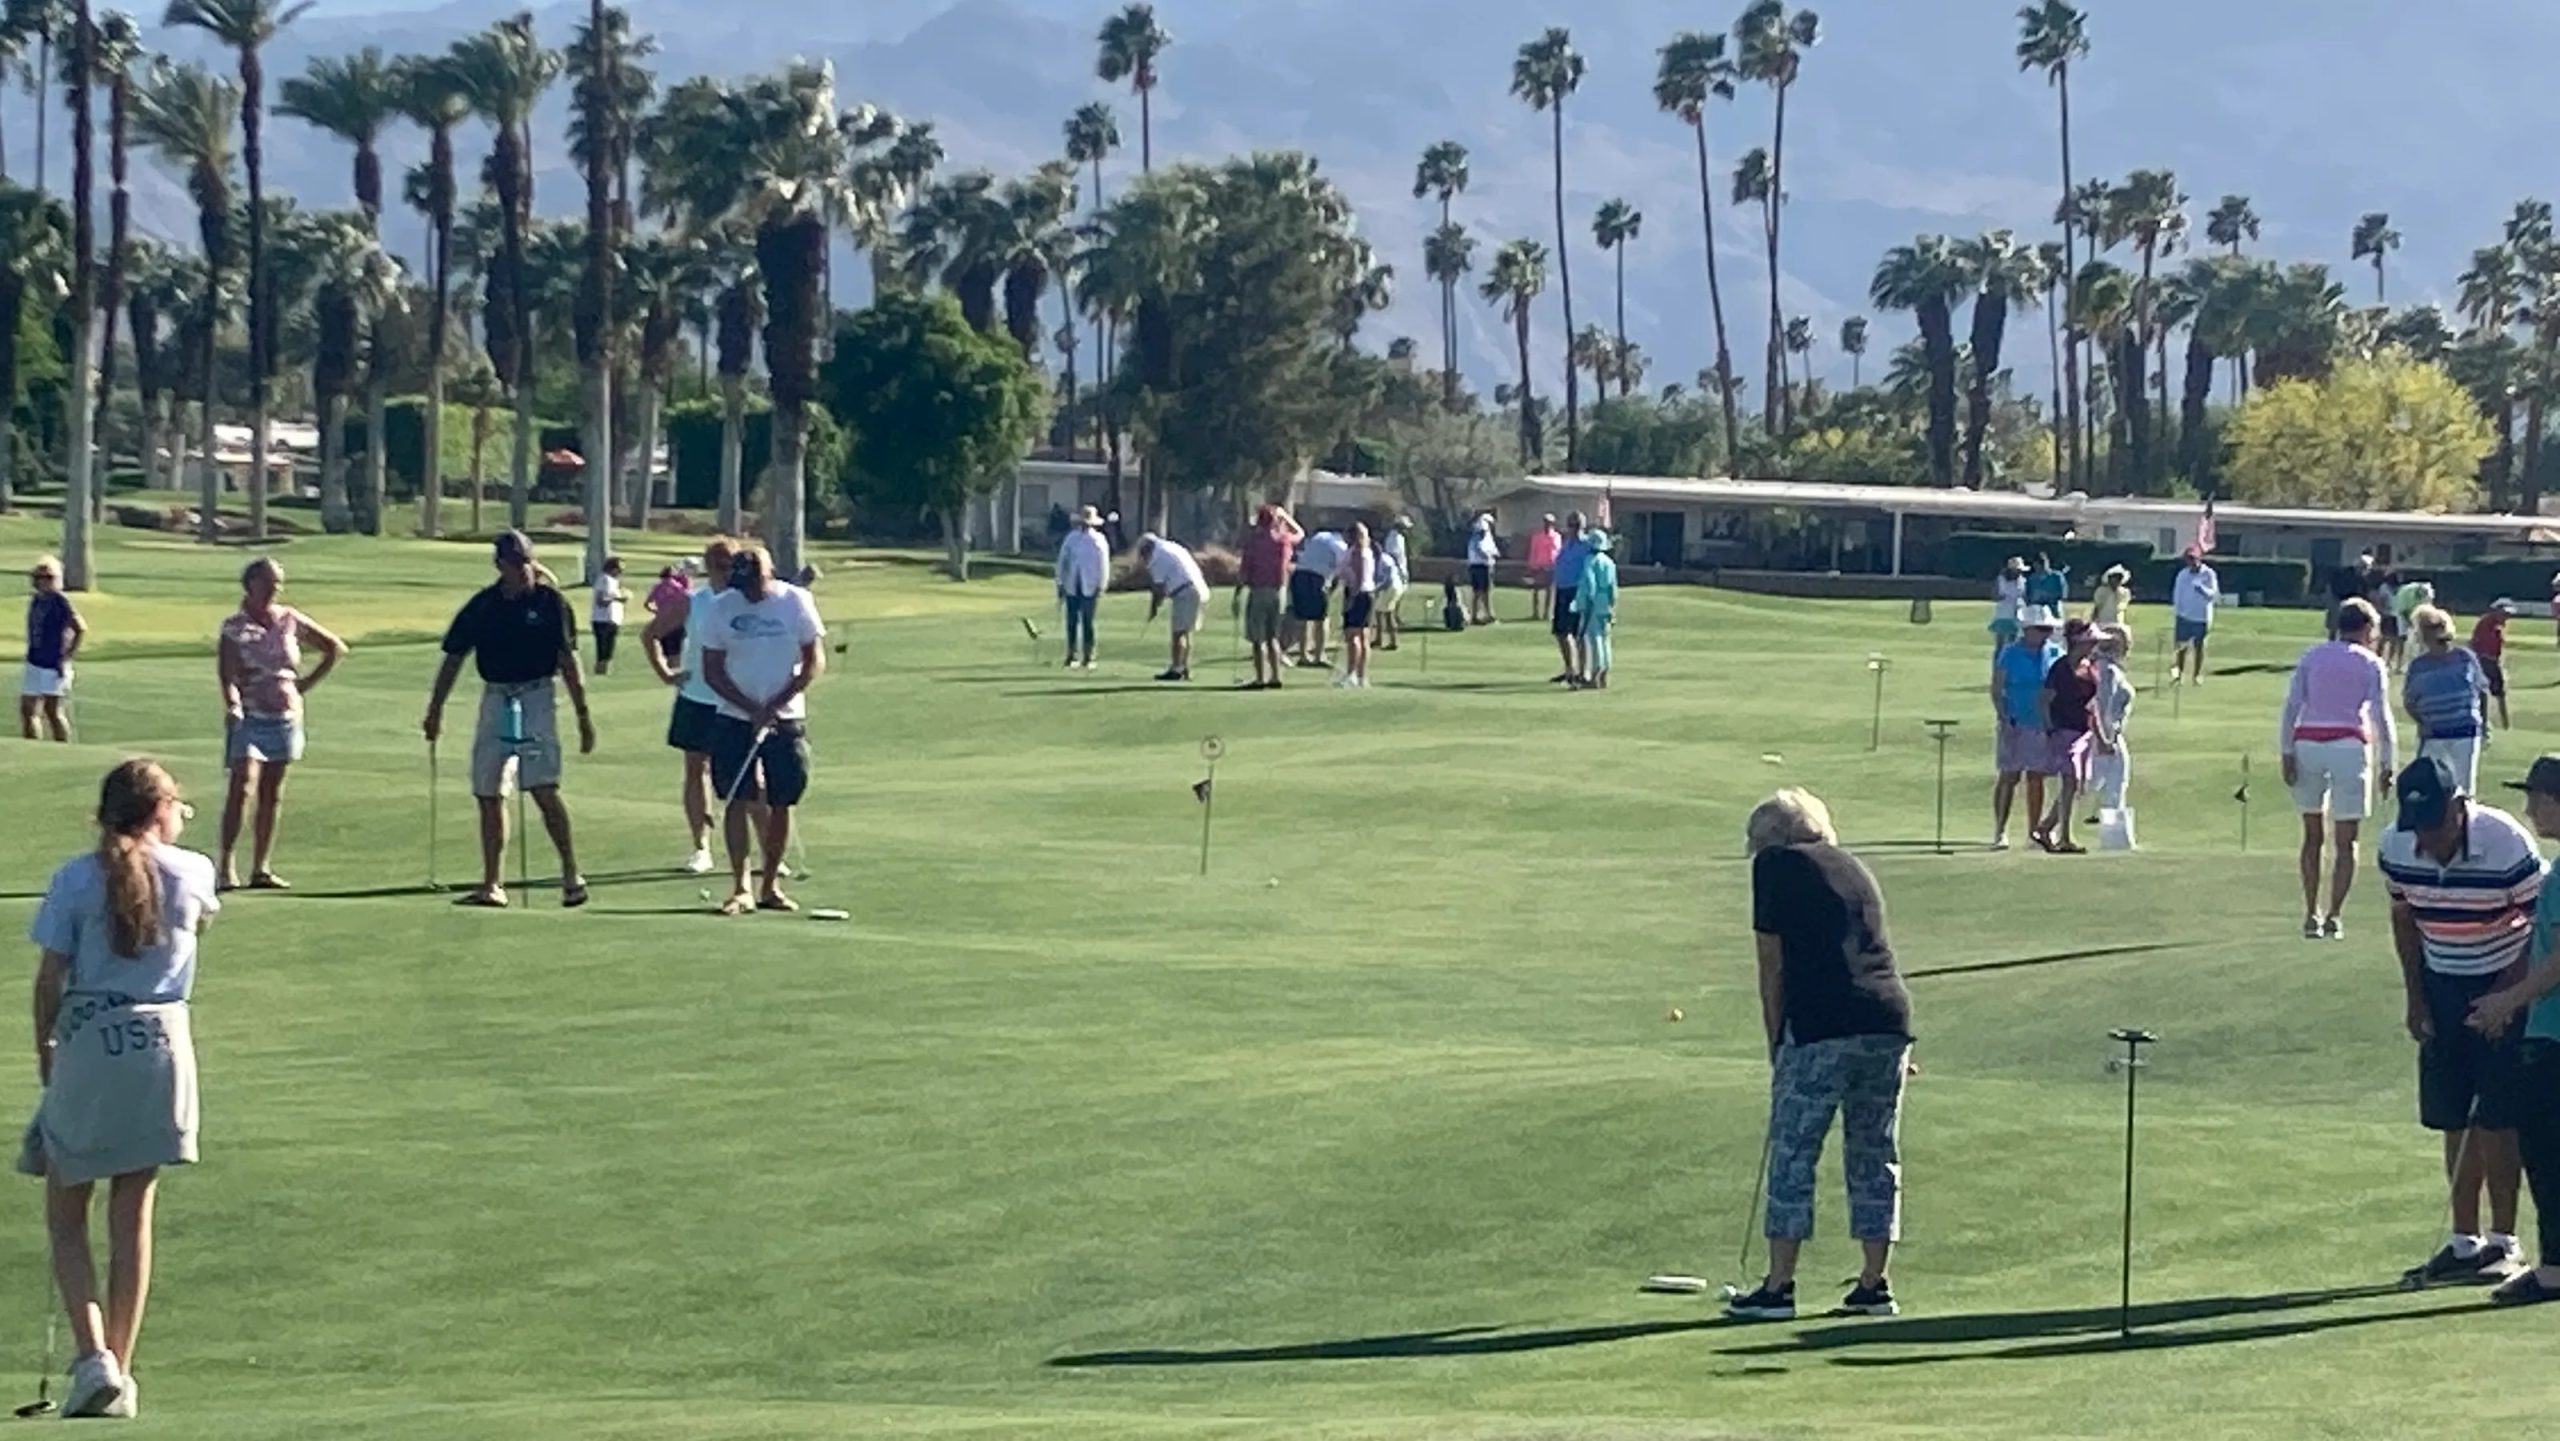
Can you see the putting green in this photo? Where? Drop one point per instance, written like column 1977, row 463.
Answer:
column 1371, row 1133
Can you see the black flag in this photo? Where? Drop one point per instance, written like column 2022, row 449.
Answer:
column 1200, row 791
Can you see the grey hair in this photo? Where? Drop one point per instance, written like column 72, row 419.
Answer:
column 1791, row 817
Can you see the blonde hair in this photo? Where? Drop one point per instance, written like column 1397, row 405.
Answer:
column 2434, row 627
column 1791, row 817
column 2116, row 635
column 52, row 565
column 2356, row 616
column 129, row 804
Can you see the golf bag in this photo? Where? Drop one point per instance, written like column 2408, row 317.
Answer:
column 1453, row 616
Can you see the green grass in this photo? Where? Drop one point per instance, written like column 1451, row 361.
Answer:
column 1369, row 1134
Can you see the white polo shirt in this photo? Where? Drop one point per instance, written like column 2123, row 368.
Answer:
column 761, row 641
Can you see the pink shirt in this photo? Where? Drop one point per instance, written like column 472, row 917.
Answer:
column 2339, row 693
column 667, row 592
column 268, row 657
column 1543, row 547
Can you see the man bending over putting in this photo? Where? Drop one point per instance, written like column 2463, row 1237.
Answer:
column 762, row 648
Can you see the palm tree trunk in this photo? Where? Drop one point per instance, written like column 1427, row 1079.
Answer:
column 44, row 78
column 2529, row 490
column 1564, row 278
column 479, row 449
column 80, row 485
column 2080, row 457
column 645, row 450
column 431, row 462
column 1146, row 130
column 209, row 476
column 371, row 497
column 733, row 429
column 334, row 517
column 13, row 302
column 1715, row 297
column 1622, row 318
column 1529, row 438
column 2504, row 483
column 2160, row 437
column 76, row 558
column 261, row 325
column 2053, row 352
column 595, row 441
column 520, row 461
column 1777, row 417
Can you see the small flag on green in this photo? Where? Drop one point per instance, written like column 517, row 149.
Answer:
column 1200, row 791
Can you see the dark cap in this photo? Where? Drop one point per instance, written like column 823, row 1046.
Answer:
column 512, row 548
column 2543, row 776
column 2427, row 791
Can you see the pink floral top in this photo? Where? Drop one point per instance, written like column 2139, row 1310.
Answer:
column 1543, row 547
column 269, row 660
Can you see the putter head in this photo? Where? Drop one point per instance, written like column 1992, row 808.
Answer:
column 33, row 1409
column 2132, row 1037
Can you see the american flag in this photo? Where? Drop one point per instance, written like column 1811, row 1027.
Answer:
column 2204, row 529
column 1605, row 522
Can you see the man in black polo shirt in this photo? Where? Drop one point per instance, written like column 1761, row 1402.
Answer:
column 522, row 633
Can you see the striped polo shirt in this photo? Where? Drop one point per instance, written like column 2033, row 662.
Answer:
column 2475, row 912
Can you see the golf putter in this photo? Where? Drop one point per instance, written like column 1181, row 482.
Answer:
column 43, row 1404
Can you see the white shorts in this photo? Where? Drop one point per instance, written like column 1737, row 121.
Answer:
column 2333, row 777
column 2463, row 754
column 38, row 680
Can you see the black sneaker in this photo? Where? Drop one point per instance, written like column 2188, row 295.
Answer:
column 2449, row 1268
column 1875, row 1300
column 1764, row 1305
column 2524, row 1288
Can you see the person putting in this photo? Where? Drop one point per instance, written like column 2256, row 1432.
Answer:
column 54, row 635
column 763, row 647
column 1566, row 625
column 523, row 638
column 116, row 939
column 1083, row 574
column 1311, row 576
column 1174, row 578
column 258, row 659
column 689, row 722
column 2336, row 740
column 2018, row 710
column 1269, row 551
column 2192, row 598
column 1837, row 1017
column 2535, row 996
column 2465, row 883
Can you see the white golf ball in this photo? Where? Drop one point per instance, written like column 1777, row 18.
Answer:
column 706, row 893
column 1273, row 883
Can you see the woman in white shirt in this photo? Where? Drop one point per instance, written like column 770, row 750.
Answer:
column 1358, row 577
column 116, row 1056
column 1395, row 575
column 605, row 614
column 1084, row 569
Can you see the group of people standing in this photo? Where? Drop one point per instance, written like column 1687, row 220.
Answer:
column 2061, row 701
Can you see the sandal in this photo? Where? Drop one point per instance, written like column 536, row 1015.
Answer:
column 268, row 881
column 776, row 901
column 2068, row 848
column 738, row 904
column 493, row 898
column 573, row 894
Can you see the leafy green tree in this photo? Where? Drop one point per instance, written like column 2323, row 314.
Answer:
column 1447, row 464
column 2389, row 433
column 1925, row 278
column 1545, row 72
column 35, row 261
column 1693, row 71
column 940, row 412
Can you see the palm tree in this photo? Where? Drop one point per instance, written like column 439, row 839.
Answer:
column 159, row 283
column 183, row 115
column 1853, row 344
column 1545, row 71
column 2002, row 277
column 1131, row 43
column 1519, row 272
column 432, row 98
column 1770, row 44
column 1442, row 174
column 35, row 259
column 1925, row 277
column 115, row 49
column 2373, row 239
column 353, row 98
column 955, row 235
column 2052, row 34
column 2222, row 289
column 82, row 479
column 2232, row 222
column 740, row 310
column 1799, row 342
column 1693, row 71
column 2490, row 288
column 2049, row 266
column 2102, row 308
column 1613, row 228
column 351, row 280
column 659, row 272
column 1447, row 255
column 1034, row 207
column 1092, row 134
column 1752, row 184
column 2151, row 211
column 776, row 157
column 42, row 21
column 501, row 73
column 245, row 26
column 1144, row 245
column 599, row 128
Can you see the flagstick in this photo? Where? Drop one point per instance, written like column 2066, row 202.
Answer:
column 2244, row 802
column 1208, row 804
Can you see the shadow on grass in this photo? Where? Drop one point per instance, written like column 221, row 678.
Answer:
column 2058, row 1335
column 2258, row 668
column 457, row 887
column 1455, row 1341
column 2055, row 958
column 1166, row 687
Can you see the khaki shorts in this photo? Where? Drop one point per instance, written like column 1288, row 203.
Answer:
column 1186, row 611
column 1262, row 615
column 499, row 762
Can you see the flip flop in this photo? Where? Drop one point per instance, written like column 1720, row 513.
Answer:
column 776, row 901
column 269, row 881
column 573, row 895
column 737, row 905
column 484, row 900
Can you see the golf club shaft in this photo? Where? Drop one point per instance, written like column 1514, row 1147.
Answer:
column 2124, row 1300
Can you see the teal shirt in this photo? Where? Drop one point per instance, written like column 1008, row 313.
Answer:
column 2542, row 1019
column 1597, row 596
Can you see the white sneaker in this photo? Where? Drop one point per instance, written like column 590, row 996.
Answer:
column 699, row 863
column 97, row 1387
column 130, row 1405
column 782, row 870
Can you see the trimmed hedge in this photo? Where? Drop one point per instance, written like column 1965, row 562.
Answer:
column 2278, row 582
column 2470, row 589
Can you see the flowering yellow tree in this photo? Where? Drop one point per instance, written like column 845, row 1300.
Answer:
column 2389, row 433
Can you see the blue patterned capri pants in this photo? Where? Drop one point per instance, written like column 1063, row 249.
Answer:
column 1860, row 1077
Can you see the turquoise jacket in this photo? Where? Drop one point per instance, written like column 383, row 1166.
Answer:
column 1597, row 596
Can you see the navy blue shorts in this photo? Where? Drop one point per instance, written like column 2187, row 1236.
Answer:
column 689, row 726
column 2465, row 1079
column 775, row 772
column 1564, row 621
column 2191, row 631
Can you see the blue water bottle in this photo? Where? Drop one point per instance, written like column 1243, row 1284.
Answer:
column 514, row 733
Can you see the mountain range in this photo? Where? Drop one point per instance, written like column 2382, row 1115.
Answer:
column 1911, row 116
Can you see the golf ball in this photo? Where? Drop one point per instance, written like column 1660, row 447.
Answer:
column 1273, row 883
column 706, row 893
column 1678, row 1015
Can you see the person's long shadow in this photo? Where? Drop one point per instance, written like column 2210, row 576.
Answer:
column 2054, row 1335
column 1414, row 1345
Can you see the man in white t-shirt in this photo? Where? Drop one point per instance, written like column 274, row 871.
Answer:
column 2193, row 595
column 763, row 646
column 1172, row 575
column 1319, row 557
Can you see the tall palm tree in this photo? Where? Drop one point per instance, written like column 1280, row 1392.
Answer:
column 2222, row 290
column 1519, row 272
column 1752, row 185
column 159, row 283
column 1769, row 44
column 1693, row 71
column 115, row 49
column 1618, row 224
column 1799, row 343
column 1035, row 206
column 1130, row 44
column 432, row 98
column 2373, row 239
column 183, row 114
column 353, row 98
column 1442, row 174
column 352, row 280
column 83, row 478
column 1448, row 254
column 44, row 22
column 501, row 73
column 1547, row 70
column 2149, row 210
column 601, row 127
column 35, row 259
column 2052, row 36
column 2002, row 276
column 1144, row 245
column 2102, row 308
column 1853, row 343
column 246, row 26
column 659, row 271
column 2490, row 289
column 2232, row 222
column 740, row 310
column 1925, row 278
column 1092, row 134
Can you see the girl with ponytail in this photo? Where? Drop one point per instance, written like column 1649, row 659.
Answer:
column 116, row 1056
